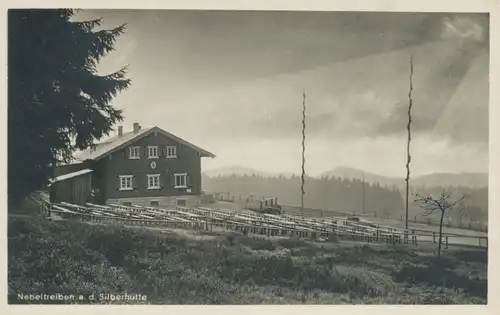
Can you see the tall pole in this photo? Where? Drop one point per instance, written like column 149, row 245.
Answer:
column 303, row 151
column 408, row 156
column 363, row 195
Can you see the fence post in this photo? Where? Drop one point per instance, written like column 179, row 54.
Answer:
column 446, row 241
column 434, row 237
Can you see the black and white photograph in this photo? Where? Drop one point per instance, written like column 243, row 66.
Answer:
column 247, row 157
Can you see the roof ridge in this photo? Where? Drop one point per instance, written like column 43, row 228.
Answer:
column 104, row 148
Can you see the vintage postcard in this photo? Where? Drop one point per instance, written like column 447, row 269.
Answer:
column 169, row 156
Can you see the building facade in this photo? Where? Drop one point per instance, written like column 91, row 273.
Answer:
column 144, row 167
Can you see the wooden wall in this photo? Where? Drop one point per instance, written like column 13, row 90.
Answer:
column 76, row 190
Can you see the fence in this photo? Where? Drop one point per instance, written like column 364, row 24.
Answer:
column 320, row 213
column 253, row 223
column 309, row 212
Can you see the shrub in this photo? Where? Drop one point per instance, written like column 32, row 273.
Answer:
column 255, row 242
column 436, row 273
column 292, row 243
column 175, row 269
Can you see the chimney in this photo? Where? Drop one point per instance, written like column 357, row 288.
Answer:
column 120, row 131
column 137, row 127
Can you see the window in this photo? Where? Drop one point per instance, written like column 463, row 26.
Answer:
column 152, row 152
column 126, row 182
column 154, row 181
column 155, row 203
column 181, row 202
column 180, row 180
column 171, row 152
column 134, row 153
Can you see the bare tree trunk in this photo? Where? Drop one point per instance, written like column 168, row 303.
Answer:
column 408, row 156
column 440, row 233
column 303, row 151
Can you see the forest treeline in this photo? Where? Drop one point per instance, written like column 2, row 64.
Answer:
column 346, row 195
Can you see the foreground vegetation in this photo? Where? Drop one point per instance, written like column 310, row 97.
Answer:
column 188, row 267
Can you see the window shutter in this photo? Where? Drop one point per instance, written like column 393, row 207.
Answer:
column 161, row 181
column 127, row 152
column 167, row 178
column 134, row 182
column 172, row 179
column 118, row 179
column 188, row 180
column 142, row 152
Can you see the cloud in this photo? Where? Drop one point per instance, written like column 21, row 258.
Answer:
column 229, row 80
column 450, row 102
column 245, row 45
column 367, row 97
column 463, row 27
column 240, row 74
column 385, row 156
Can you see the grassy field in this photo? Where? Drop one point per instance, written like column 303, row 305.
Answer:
column 190, row 267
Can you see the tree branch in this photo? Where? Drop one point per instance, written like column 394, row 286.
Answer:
column 443, row 203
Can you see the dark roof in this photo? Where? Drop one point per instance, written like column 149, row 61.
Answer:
column 116, row 143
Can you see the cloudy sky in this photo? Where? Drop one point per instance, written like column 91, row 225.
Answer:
column 231, row 82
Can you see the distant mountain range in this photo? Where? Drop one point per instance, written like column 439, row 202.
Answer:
column 352, row 173
column 435, row 179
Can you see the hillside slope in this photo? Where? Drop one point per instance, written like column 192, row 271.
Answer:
column 434, row 179
column 189, row 267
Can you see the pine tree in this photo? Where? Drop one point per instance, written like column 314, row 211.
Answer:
column 57, row 100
